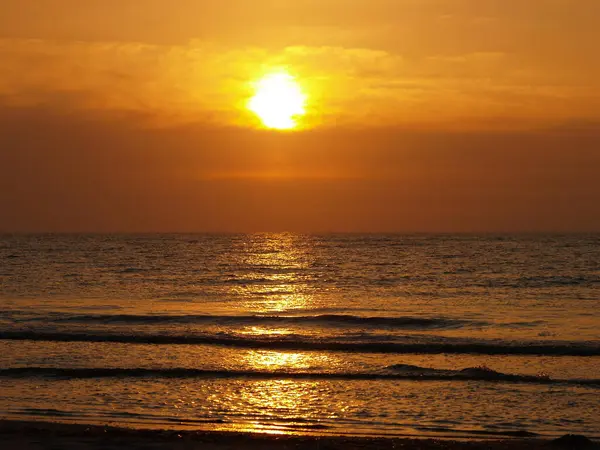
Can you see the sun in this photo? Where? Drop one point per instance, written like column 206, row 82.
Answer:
column 278, row 101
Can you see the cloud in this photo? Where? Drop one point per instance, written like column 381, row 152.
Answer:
column 212, row 83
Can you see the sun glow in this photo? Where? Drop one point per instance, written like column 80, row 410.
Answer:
column 278, row 101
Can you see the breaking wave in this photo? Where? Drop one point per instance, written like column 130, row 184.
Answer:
column 295, row 342
column 339, row 320
column 400, row 372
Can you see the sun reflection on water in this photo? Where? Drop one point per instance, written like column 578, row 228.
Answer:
column 265, row 331
column 287, row 361
column 278, row 279
column 286, row 302
column 279, row 406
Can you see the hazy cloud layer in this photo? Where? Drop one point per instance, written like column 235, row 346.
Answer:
column 202, row 82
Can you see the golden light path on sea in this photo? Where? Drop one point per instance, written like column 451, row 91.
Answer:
column 282, row 292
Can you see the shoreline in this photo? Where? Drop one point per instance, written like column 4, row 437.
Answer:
column 15, row 434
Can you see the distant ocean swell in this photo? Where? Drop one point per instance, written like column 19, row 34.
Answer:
column 402, row 372
column 339, row 320
column 295, row 342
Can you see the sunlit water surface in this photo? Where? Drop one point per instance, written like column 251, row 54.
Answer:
column 456, row 336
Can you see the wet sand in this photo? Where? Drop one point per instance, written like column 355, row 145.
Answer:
column 16, row 435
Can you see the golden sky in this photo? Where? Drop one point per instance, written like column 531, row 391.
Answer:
column 421, row 115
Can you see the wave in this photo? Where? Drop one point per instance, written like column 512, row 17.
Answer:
column 415, row 373
column 543, row 281
column 558, row 280
column 294, row 342
column 133, row 270
column 324, row 319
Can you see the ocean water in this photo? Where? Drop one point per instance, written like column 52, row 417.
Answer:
column 441, row 335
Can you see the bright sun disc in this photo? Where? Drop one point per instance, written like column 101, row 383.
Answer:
column 278, row 101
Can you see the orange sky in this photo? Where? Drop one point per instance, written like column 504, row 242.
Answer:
column 423, row 115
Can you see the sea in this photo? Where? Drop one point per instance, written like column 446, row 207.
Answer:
column 447, row 336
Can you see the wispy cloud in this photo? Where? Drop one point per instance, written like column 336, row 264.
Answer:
column 209, row 82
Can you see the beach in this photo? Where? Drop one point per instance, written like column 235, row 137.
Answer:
column 16, row 435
